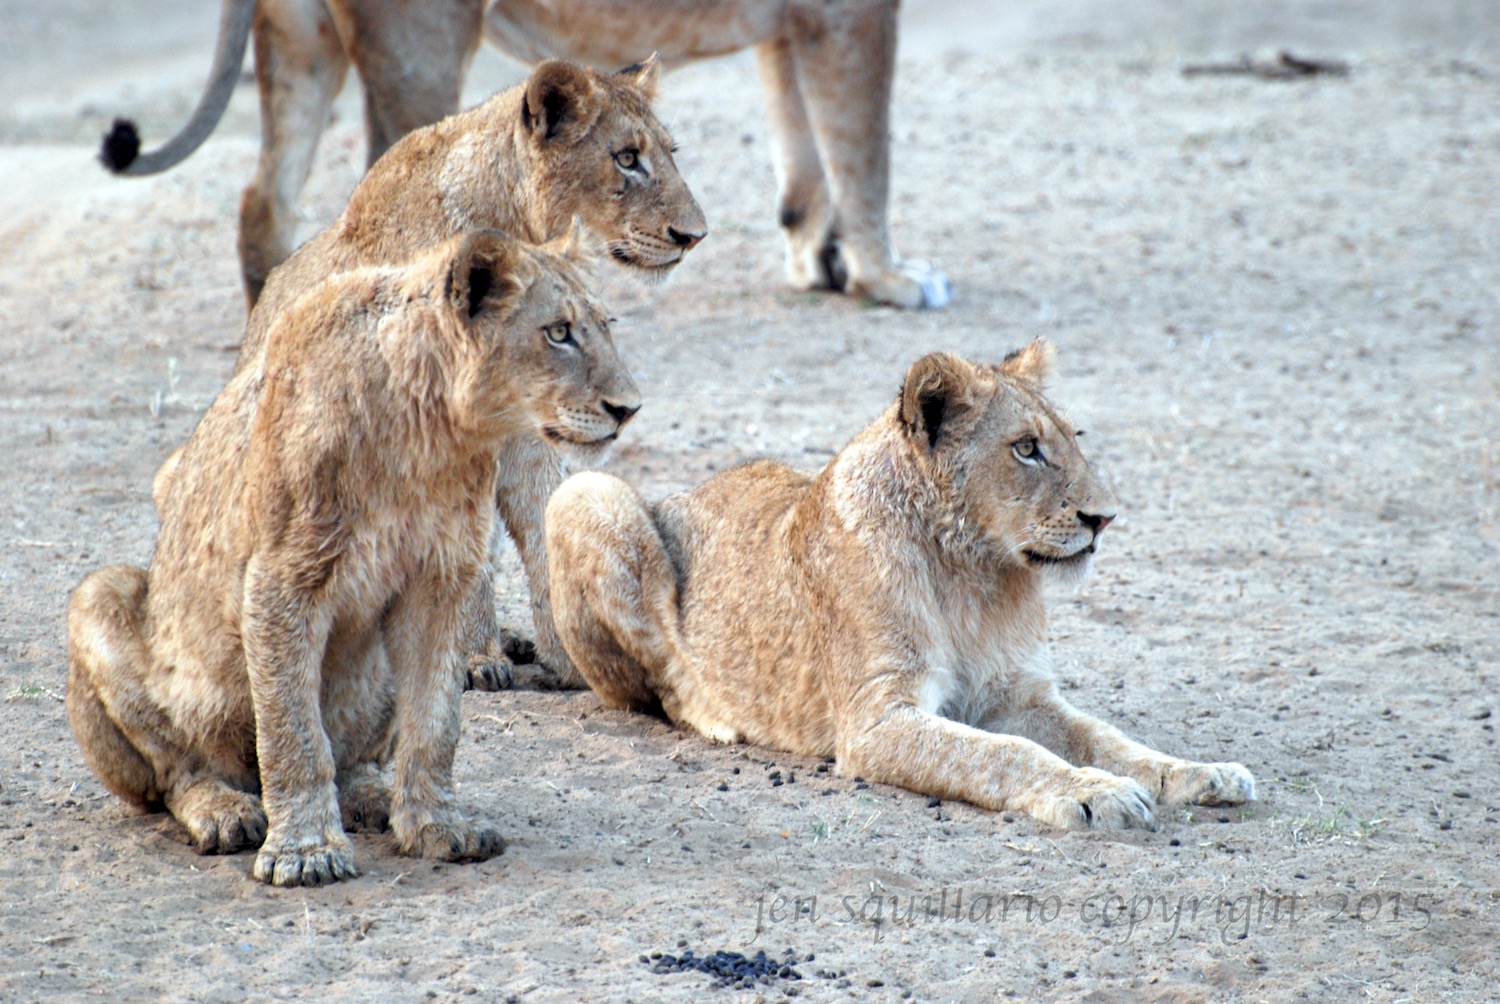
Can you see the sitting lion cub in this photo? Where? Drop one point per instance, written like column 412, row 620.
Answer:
column 887, row 611
column 300, row 623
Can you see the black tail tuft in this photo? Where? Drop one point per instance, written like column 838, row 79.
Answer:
column 121, row 146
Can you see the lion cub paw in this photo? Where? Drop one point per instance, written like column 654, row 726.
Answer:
column 365, row 803
column 1093, row 799
column 313, row 860
column 445, row 836
column 1207, row 784
column 488, row 671
column 492, row 665
column 221, row 819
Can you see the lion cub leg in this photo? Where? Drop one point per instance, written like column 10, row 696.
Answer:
column 128, row 739
column 530, row 472
column 285, row 633
column 1041, row 713
column 614, row 589
column 924, row 752
column 421, row 632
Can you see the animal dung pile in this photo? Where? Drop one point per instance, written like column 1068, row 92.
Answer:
column 730, row 969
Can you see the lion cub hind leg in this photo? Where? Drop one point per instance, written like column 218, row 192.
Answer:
column 614, row 590
column 130, row 741
column 106, row 653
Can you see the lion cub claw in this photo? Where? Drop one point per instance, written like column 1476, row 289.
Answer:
column 1207, row 784
column 220, row 819
column 327, row 858
column 448, row 837
column 1094, row 799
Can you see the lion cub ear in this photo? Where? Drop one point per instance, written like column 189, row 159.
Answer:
column 645, row 75
column 1032, row 363
column 481, row 274
column 560, row 98
column 938, row 389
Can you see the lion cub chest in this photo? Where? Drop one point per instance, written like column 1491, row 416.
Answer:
column 964, row 679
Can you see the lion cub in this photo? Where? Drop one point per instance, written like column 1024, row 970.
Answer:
column 299, row 625
column 887, row 611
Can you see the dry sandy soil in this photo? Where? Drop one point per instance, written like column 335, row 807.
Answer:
column 1276, row 308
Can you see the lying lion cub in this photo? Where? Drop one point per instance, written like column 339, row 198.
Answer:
column 887, row 611
column 299, row 625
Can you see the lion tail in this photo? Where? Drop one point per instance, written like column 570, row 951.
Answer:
column 121, row 150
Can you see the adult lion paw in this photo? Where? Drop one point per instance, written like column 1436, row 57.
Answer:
column 307, row 860
column 936, row 289
column 1093, row 799
column 914, row 285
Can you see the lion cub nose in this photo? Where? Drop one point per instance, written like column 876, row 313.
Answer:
column 1096, row 521
column 621, row 412
column 686, row 241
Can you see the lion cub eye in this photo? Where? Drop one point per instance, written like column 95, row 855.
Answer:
column 1028, row 450
column 629, row 159
column 559, row 333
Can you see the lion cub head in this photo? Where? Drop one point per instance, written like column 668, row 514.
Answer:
column 527, row 347
column 598, row 150
column 1006, row 480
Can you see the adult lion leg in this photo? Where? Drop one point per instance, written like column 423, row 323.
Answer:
column 129, row 740
column 844, row 52
column 614, row 590
column 923, row 752
column 300, row 66
column 285, row 633
column 421, row 633
column 1035, row 709
column 411, row 58
column 805, row 211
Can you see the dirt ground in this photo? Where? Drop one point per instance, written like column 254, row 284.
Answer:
column 1277, row 316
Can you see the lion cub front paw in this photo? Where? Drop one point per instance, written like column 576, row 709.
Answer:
column 488, row 671
column 305, row 860
column 444, row 836
column 1093, row 799
column 1207, row 784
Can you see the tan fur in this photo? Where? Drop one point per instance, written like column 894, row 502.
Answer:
column 528, row 161
column 298, row 627
column 827, row 66
column 887, row 611
column 568, row 142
